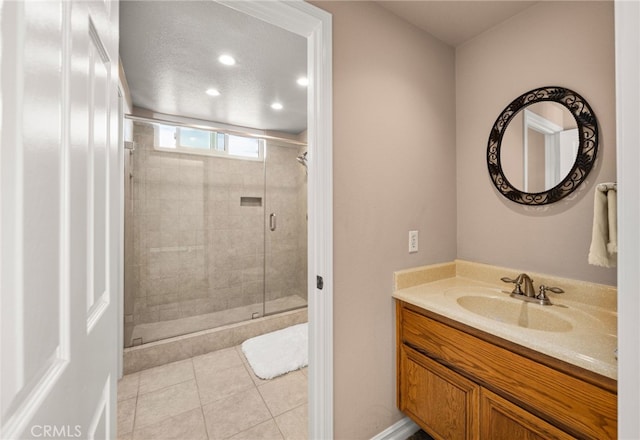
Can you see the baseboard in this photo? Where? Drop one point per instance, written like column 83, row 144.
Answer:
column 400, row 430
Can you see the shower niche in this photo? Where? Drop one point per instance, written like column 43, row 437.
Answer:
column 211, row 239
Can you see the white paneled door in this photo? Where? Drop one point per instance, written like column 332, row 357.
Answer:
column 59, row 218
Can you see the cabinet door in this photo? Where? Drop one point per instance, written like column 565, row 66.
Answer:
column 441, row 401
column 502, row 420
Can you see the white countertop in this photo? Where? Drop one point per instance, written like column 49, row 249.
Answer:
column 581, row 334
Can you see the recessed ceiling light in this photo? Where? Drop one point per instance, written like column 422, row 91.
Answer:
column 303, row 81
column 227, row 60
column 276, row 106
column 212, row 92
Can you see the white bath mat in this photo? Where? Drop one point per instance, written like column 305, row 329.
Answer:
column 279, row 352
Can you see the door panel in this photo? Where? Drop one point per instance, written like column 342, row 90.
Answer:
column 502, row 420
column 97, row 180
column 443, row 402
column 33, row 342
column 58, row 214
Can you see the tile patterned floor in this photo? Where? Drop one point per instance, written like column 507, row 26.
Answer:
column 213, row 396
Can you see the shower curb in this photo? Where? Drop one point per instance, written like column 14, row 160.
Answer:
column 194, row 344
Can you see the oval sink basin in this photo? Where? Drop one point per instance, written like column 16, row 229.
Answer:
column 514, row 312
column 472, row 291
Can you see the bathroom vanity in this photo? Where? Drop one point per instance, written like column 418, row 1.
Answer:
column 466, row 372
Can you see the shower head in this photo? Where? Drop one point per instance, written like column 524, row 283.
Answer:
column 302, row 159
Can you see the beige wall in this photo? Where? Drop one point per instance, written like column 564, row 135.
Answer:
column 394, row 171
column 396, row 168
column 569, row 44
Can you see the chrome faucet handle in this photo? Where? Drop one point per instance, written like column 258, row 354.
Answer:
column 542, row 296
column 551, row 289
column 518, row 281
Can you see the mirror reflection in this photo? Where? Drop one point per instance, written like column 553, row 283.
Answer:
column 539, row 147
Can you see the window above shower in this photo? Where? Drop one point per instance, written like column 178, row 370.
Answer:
column 181, row 139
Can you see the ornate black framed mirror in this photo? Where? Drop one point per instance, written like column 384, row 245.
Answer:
column 542, row 146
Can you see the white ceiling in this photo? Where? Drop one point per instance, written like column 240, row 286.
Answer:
column 455, row 22
column 169, row 52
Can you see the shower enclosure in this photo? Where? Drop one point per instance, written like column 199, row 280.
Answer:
column 210, row 240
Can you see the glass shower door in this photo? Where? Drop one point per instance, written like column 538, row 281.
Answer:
column 285, row 229
column 194, row 257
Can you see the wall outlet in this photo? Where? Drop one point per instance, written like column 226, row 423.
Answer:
column 413, row 241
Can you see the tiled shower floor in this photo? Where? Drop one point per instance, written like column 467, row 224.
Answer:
column 213, row 396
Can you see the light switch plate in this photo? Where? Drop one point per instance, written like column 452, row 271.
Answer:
column 413, row 241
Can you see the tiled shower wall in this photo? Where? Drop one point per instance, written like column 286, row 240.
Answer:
column 195, row 249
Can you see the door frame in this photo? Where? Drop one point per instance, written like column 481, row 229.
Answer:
column 627, row 46
column 315, row 25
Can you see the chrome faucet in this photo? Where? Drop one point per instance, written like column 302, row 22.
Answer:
column 529, row 291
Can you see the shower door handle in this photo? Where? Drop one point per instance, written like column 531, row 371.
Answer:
column 272, row 221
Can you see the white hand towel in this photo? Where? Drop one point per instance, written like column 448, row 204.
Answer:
column 612, row 214
column 604, row 234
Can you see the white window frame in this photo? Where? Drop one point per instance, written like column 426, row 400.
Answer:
column 213, row 141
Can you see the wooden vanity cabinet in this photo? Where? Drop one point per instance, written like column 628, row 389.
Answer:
column 438, row 398
column 502, row 420
column 457, row 382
